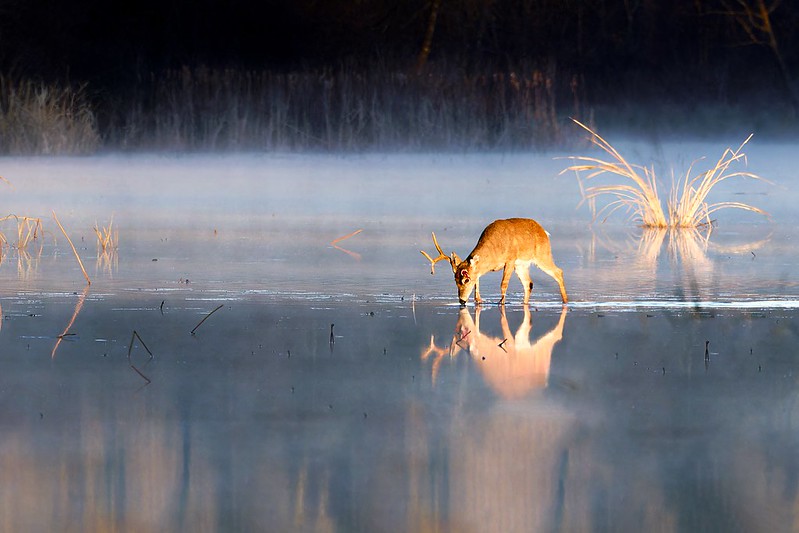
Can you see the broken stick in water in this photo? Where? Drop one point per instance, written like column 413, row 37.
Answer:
column 220, row 306
column 334, row 244
column 85, row 275
column 130, row 347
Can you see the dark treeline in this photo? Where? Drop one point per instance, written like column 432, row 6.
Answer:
column 737, row 56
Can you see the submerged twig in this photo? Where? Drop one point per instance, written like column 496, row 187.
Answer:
column 85, row 275
column 130, row 347
column 220, row 306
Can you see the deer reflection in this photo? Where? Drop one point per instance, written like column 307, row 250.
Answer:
column 511, row 365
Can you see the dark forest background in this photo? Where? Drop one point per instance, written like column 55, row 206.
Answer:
column 388, row 74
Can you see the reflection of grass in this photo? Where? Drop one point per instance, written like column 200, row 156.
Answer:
column 66, row 333
column 689, row 245
column 687, row 206
column 107, row 261
column 27, row 265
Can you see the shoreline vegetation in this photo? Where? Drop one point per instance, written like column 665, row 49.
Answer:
column 345, row 109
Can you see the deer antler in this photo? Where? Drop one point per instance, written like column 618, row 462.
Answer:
column 441, row 256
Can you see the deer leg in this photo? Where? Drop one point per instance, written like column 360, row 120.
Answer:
column 477, row 299
column 557, row 275
column 523, row 272
column 506, row 273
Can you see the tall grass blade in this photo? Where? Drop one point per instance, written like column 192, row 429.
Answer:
column 85, row 275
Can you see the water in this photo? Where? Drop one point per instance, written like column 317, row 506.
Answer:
column 664, row 397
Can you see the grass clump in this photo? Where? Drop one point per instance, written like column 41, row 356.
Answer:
column 36, row 118
column 28, row 230
column 107, row 237
column 687, row 205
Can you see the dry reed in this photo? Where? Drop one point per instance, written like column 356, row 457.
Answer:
column 687, row 206
column 36, row 118
column 85, row 275
column 107, row 237
column 334, row 244
column 344, row 108
column 28, row 230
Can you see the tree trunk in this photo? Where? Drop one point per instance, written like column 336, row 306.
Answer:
column 427, row 44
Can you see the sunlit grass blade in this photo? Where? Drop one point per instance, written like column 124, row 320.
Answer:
column 107, row 237
column 28, row 230
column 687, row 205
column 639, row 197
column 80, row 263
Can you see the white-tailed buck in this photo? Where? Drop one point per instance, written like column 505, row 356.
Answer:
column 512, row 245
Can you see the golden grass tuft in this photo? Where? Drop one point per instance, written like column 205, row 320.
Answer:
column 28, row 230
column 107, row 237
column 687, row 206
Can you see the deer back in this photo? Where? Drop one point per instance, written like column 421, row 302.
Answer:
column 510, row 240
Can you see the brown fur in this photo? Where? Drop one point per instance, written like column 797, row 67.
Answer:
column 511, row 245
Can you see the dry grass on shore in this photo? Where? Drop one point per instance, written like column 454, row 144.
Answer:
column 37, row 118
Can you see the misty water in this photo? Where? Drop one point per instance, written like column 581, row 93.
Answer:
column 339, row 387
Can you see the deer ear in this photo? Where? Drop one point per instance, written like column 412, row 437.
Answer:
column 465, row 275
column 454, row 260
column 474, row 260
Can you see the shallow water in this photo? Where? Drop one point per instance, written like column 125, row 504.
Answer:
column 664, row 398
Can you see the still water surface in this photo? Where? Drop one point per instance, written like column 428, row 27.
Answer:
column 664, row 398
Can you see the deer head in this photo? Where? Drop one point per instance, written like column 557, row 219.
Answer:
column 453, row 259
column 466, row 275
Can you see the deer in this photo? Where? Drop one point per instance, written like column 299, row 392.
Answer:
column 512, row 245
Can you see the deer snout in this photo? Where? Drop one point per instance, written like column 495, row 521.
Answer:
column 463, row 302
